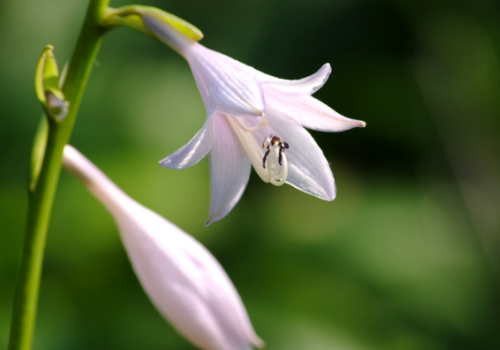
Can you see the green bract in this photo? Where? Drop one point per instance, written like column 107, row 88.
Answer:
column 38, row 152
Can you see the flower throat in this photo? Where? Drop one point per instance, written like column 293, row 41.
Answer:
column 271, row 165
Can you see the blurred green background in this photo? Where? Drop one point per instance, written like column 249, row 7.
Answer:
column 407, row 256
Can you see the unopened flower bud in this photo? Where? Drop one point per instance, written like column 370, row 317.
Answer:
column 183, row 280
column 47, row 85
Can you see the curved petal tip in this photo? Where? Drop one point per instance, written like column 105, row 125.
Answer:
column 326, row 192
column 218, row 215
column 331, row 194
column 258, row 342
column 211, row 220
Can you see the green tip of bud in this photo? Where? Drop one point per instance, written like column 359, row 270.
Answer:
column 181, row 25
column 131, row 16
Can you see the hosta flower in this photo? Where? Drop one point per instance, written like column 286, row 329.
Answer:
column 256, row 120
column 183, row 280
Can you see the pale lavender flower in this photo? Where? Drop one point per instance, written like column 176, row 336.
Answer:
column 253, row 119
column 183, row 280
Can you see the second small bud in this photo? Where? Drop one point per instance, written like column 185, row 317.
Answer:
column 47, row 86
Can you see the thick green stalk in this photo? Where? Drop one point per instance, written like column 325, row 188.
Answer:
column 42, row 196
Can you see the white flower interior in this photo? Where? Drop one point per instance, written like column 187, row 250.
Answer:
column 273, row 172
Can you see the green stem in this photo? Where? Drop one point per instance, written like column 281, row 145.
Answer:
column 42, row 197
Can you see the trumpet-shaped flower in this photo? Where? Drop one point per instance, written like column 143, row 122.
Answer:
column 183, row 280
column 253, row 119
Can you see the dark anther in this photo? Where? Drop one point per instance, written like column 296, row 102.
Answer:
column 267, row 138
column 264, row 159
column 274, row 140
column 283, row 146
column 271, row 141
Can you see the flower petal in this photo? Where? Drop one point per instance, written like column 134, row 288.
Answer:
column 308, row 85
column 308, row 111
column 194, row 151
column 229, row 170
column 225, row 83
column 308, row 169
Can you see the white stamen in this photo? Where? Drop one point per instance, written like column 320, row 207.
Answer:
column 274, row 173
